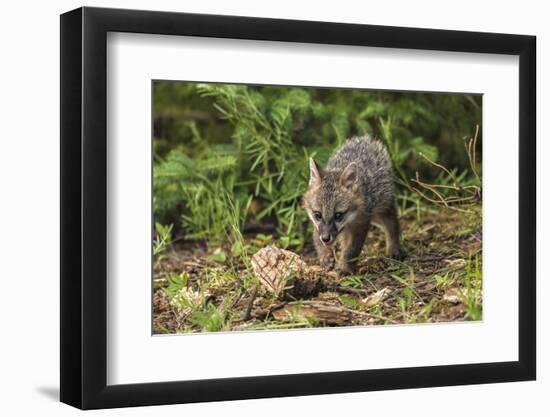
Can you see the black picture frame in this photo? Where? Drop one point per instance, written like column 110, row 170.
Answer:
column 84, row 207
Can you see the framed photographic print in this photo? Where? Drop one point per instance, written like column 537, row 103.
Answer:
column 257, row 208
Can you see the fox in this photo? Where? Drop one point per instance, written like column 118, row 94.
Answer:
column 355, row 189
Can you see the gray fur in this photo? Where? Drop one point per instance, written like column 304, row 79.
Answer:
column 355, row 188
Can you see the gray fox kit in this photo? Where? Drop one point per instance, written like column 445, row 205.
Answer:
column 355, row 188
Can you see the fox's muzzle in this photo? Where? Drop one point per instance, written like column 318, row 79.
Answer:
column 326, row 239
column 327, row 234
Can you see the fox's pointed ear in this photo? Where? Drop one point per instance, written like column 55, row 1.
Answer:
column 349, row 176
column 315, row 173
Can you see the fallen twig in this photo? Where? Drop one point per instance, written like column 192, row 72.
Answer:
column 246, row 315
column 347, row 290
column 463, row 194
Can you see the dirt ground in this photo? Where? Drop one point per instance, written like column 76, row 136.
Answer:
column 197, row 289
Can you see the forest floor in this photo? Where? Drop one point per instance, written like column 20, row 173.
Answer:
column 197, row 289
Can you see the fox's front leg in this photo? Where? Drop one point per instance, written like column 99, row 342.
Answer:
column 326, row 256
column 389, row 221
column 351, row 244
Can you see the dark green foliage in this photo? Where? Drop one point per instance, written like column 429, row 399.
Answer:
column 228, row 155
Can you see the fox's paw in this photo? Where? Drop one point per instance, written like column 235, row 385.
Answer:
column 344, row 272
column 398, row 253
column 344, row 269
column 327, row 263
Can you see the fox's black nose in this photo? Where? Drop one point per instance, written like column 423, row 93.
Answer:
column 325, row 238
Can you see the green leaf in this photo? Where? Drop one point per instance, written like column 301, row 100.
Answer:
column 218, row 256
column 237, row 249
column 175, row 283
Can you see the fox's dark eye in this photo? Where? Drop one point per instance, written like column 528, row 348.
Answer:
column 338, row 216
column 318, row 215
